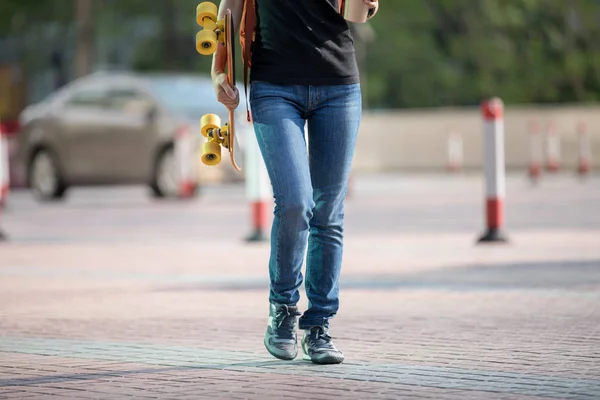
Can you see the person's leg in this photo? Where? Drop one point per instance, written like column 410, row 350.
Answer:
column 278, row 117
column 332, row 131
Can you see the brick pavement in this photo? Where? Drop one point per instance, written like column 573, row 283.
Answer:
column 114, row 296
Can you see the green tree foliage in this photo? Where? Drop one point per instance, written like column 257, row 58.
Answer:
column 454, row 52
column 426, row 52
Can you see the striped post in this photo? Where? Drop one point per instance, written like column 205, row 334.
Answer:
column 584, row 158
column 552, row 149
column 535, row 151
column 4, row 166
column 258, row 189
column 494, row 169
column 185, row 159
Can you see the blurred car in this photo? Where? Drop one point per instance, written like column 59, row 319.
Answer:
column 114, row 128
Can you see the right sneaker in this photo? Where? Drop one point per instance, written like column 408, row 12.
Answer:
column 318, row 347
column 281, row 338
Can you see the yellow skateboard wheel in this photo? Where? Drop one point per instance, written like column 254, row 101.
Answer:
column 206, row 42
column 206, row 11
column 211, row 153
column 208, row 122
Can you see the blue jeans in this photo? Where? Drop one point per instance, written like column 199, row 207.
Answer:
column 309, row 187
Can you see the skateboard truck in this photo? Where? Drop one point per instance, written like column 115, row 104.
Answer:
column 213, row 29
column 216, row 136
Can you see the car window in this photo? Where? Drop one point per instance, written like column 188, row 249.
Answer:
column 189, row 96
column 127, row 100
column 88, row 98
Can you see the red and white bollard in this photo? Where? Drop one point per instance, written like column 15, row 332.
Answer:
column 185, row 157
column 258, row 188
column 584, row 159
column 454, row 161
column 552, row 149
column 4, row 166
column 535, row 151
column 494, row 168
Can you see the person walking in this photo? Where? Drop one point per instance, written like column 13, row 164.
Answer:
column 303, row 73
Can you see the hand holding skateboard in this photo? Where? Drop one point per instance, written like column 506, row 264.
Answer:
column 226, row 94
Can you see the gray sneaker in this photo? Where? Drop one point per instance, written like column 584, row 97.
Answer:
column 318, row 347
column 281, row 339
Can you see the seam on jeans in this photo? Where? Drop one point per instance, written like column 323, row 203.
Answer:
column 309, row 101
column 277, row 233
column 318, row 97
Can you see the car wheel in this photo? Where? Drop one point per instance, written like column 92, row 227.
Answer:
column 164, row 182
column 44, row 177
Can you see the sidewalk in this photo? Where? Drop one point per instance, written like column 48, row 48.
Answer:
column 111, row 295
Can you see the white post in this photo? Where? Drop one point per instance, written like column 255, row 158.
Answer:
column 584, row 162
column 535, row 150
column 2, row 234
column 186, row 162
column 3, row 175
column 455, row 151
column 258, row 188
column 4, row 167
column 494, row 168
column 552, row 149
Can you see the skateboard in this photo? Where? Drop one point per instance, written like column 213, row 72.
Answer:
column 217, row 33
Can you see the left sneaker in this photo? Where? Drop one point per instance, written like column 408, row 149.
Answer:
column 280, row 337
column 318, row 347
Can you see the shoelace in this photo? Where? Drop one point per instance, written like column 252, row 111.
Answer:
column 282, row 315
column 320, row 337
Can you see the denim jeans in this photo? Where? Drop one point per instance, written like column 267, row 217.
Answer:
column 309, row 186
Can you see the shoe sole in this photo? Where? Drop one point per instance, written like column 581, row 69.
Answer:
column 289, row 358
column 324, row 360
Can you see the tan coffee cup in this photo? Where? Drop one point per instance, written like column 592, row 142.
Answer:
column 354, row 10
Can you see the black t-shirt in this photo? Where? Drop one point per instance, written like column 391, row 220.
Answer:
column 302, row 42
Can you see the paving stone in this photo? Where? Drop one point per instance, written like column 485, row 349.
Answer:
column 99, row 300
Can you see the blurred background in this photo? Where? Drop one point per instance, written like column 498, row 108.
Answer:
column 426, row 66
column 152, row 286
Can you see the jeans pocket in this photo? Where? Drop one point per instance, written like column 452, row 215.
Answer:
column 262, row 89
column 256, row 86
column 266, row 96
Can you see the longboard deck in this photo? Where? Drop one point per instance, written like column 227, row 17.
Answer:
column 230, row 47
